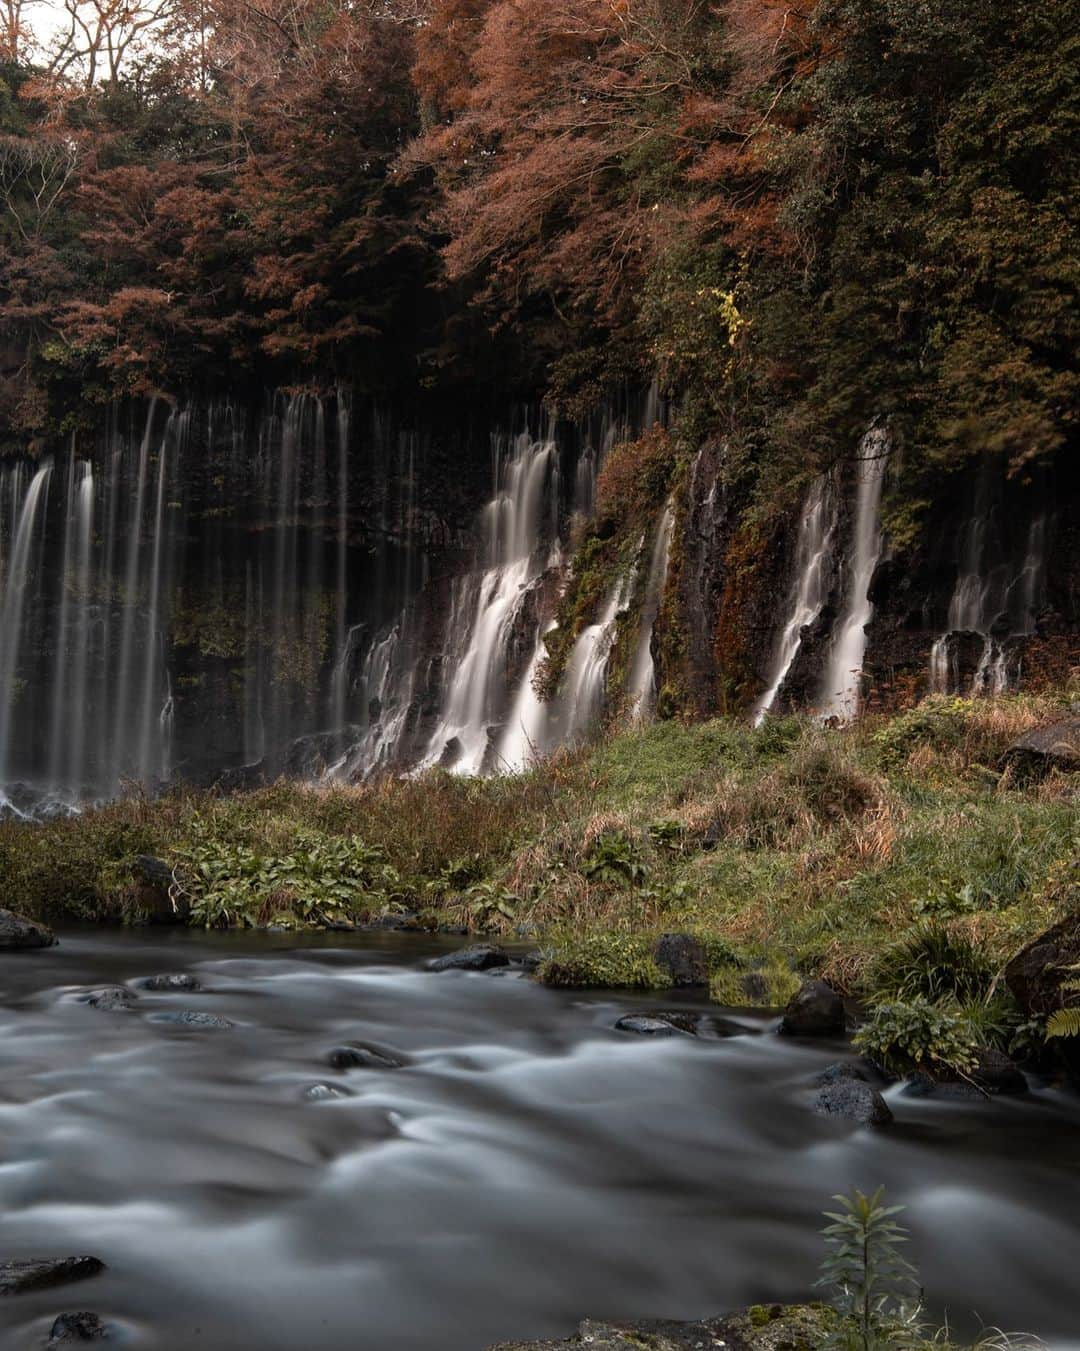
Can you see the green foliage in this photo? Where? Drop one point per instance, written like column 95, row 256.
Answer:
column 322, row 879
column 875, row 1289
column 904, row 1037
column 932, row 963
column 1065, row 1022
column 602, row 959
column 614, row 857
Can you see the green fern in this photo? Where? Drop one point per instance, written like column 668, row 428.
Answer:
column 1064, row 1023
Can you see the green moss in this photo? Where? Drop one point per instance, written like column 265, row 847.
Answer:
column 603, row 959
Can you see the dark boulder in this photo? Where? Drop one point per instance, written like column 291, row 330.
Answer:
column 70, row 1328
column 111, row 999
column 152, row 898
column 17, row 933
column 40, row 1273
column 482, row 957
column 1053, row 746
column 653, row 1025
column 994, row 1075
column 362, row 1058
column 1036, row 974
column 816, row 1011
column 178, row 981
column 682, row 956
column 191, row 1018
column 845, row 1091
column 397, row 921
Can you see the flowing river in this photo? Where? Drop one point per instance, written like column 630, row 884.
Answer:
column 526, row 1165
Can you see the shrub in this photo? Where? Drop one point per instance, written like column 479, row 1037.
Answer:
column 613, row 857
column 603, row 959
column 902, row 1038
column 932, row 963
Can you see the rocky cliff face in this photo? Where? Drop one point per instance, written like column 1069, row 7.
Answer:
column 312, row 588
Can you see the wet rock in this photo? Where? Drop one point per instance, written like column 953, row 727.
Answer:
column 1054, row 746
column 17, row 933
column 1036, row 974
column 651, row 1025
column 40, row 1273
column 816, row 1011
column 324, row 1093
column 764, row 1327
column 682, row 956
column 362, row 1058
column 179, row 981
column 111, row 999
column 406, row 921
column 994, row 1075
column 151, row 900
column 530, row 961
column 845, row 1091
column 70, row 1328
column 191, row 1018
column 482, row 957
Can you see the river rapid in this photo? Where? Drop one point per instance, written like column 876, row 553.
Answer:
column 525, row 1166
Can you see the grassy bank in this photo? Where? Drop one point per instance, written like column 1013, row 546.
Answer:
column 870, row 856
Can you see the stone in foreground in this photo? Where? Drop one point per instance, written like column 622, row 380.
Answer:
column 656, row 1024
column 844, row 1091
column 71, row 1328
column 19, row 934
column 763, row 1327
column 482, row 957
column 816, row 1011
column 1036, row 975
column 39, row 1273
column 1054, row 746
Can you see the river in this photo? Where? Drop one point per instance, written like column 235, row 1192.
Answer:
column 526, row 1165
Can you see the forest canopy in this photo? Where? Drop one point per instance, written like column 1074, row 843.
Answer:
column 795, row 218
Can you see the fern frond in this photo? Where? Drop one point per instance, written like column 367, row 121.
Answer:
column 1064, row 1023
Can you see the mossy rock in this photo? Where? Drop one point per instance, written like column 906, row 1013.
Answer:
column 763, row 1327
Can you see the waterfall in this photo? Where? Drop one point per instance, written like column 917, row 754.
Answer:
column 519, row 527
column 809, row 586
column 996, row 595
column 16, row 576
column 843, row 674
column 581, row 697
column 641, row 687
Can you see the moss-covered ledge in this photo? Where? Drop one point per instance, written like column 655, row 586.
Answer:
column 763, row 1327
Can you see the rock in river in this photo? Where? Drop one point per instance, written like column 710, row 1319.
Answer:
column 18, row 933
column 481, row 957
column 361, row 1058
column 177, row 981
column 110, row 999
column 844, row 1091
column 70, row 1328
column 655, row 1025
column 38, row 1273
column 816, row 1011
column 190, row 1018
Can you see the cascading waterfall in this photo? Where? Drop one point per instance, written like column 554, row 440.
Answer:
column 520, row 528
column 996, row 597
column 641, row 687
column 843, row 675
column 810, row 584
column 581, row 698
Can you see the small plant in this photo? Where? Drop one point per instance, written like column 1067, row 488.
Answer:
column 931, row 962
column 1065, row 1022
column 603, row 959
column 614, row 857
column 669, row 835
column 487, row 904
column 903, row 1038
column 875, row 1289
